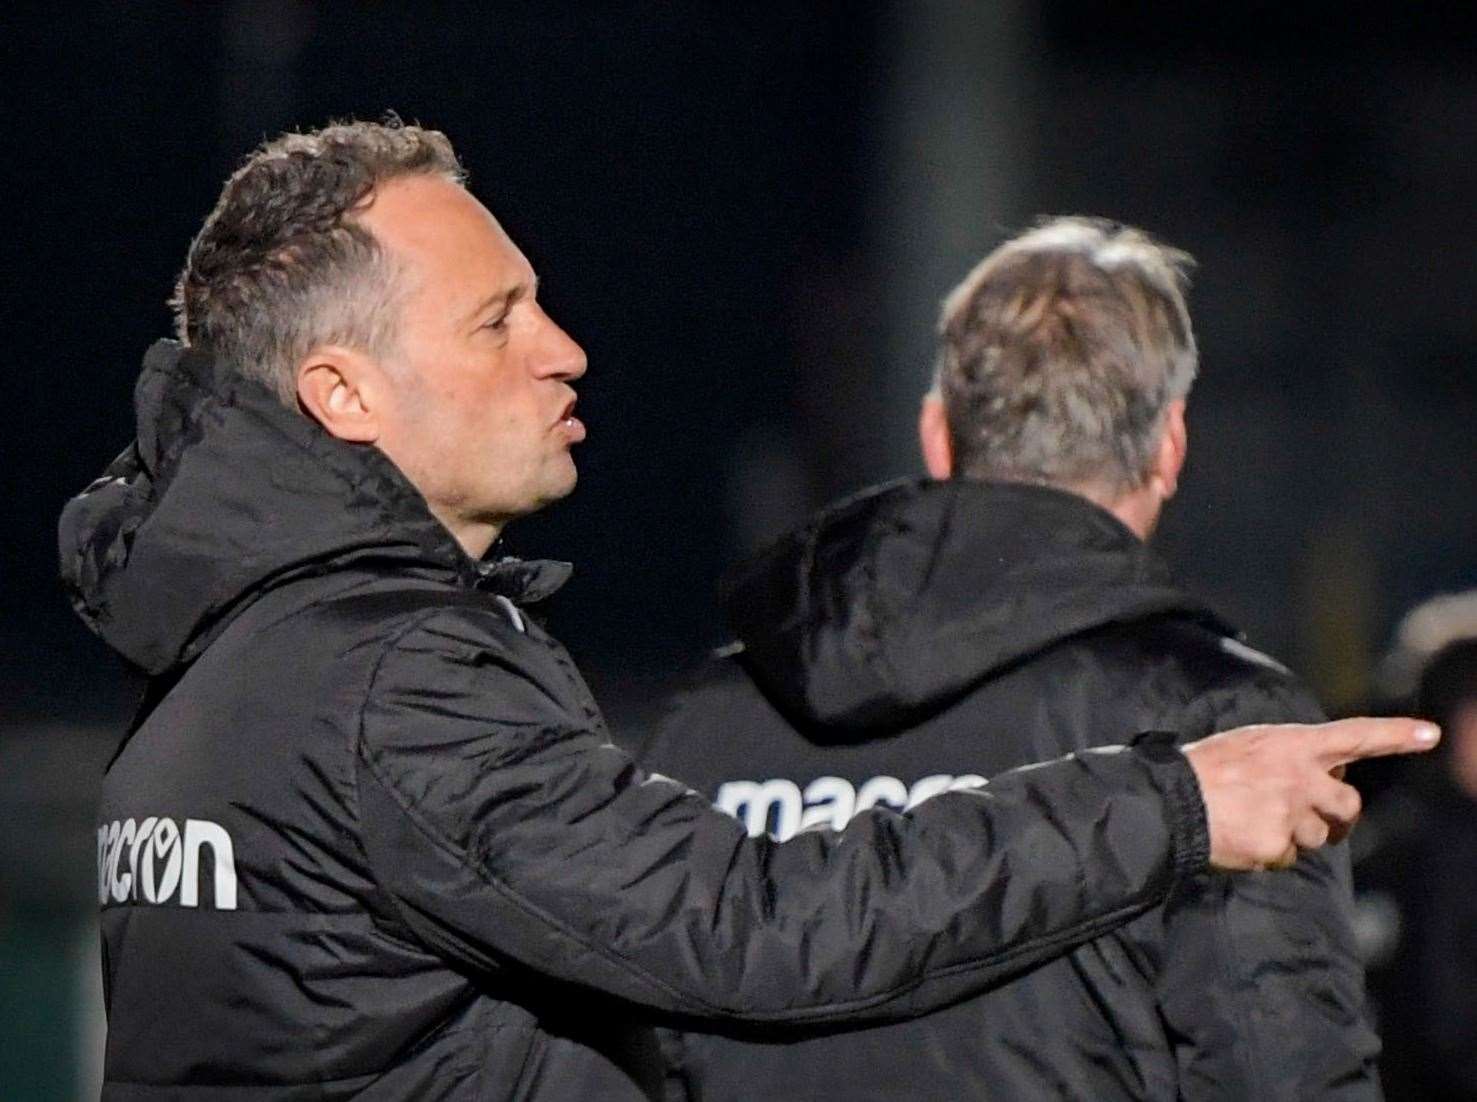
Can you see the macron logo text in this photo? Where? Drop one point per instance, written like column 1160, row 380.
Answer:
column 154, row 861
column 781, row 808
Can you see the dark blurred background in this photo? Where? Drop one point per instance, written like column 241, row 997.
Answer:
column 748, row 217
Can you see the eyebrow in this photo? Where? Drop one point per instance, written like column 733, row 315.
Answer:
column 506, row 298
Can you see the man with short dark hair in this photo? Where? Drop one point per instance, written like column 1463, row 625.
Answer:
column 915, row 637
column 368, row 836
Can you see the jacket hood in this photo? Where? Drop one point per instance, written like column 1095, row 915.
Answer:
column 226, row 494
column 890, row 605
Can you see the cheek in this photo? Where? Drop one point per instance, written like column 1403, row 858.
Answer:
column 470, row 411
column 471, row 419
column 504, row 441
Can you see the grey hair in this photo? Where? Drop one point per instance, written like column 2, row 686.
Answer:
column 281, row 264
column 1061, row 351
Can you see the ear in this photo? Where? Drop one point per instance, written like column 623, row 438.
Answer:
column 933, row 436
column 1173, row 446
column 341, row 390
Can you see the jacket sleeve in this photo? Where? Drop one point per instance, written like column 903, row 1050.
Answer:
column 1259, row 978
column 509, row 833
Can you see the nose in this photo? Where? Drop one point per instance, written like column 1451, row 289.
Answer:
column 560, row 356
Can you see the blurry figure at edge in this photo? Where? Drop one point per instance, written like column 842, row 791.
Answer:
column 1417, row 878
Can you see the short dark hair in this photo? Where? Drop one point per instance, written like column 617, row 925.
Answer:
column 1060, row 352
column 1448, row 682
column 281, row 265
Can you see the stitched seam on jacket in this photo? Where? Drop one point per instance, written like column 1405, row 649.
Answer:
column 1083, row 931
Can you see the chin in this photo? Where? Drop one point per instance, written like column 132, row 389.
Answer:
column 558, row 489
column 567, row 481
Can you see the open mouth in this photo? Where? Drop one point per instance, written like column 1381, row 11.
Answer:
column 571, row 424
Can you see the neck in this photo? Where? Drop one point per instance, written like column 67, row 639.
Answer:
column 1139, row 513
column 1138, row 510
column 474, row 536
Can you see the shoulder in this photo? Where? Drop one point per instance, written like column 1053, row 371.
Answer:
column 1207, row 656
column 383, row 623
column 707, row 696
column 391, row 613
column 301, row 639
column 715, row 714
column 457, row 654
column 1193, row 677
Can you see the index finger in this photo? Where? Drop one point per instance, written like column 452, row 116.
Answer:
column 1363, row 737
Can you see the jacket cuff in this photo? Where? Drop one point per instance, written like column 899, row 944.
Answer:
column 1189, row 827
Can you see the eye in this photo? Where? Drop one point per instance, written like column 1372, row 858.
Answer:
column 498, row 324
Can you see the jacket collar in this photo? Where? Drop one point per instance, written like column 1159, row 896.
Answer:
column 891, row 604
column 225, row 495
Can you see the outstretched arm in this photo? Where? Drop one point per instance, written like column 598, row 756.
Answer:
column 511, row 834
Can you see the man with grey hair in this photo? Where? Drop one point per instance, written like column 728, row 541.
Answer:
column 1067, row 355
column 915, row 637
column 368, row 837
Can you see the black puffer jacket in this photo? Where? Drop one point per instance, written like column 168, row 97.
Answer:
column 934, row 631
column 370, row 837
